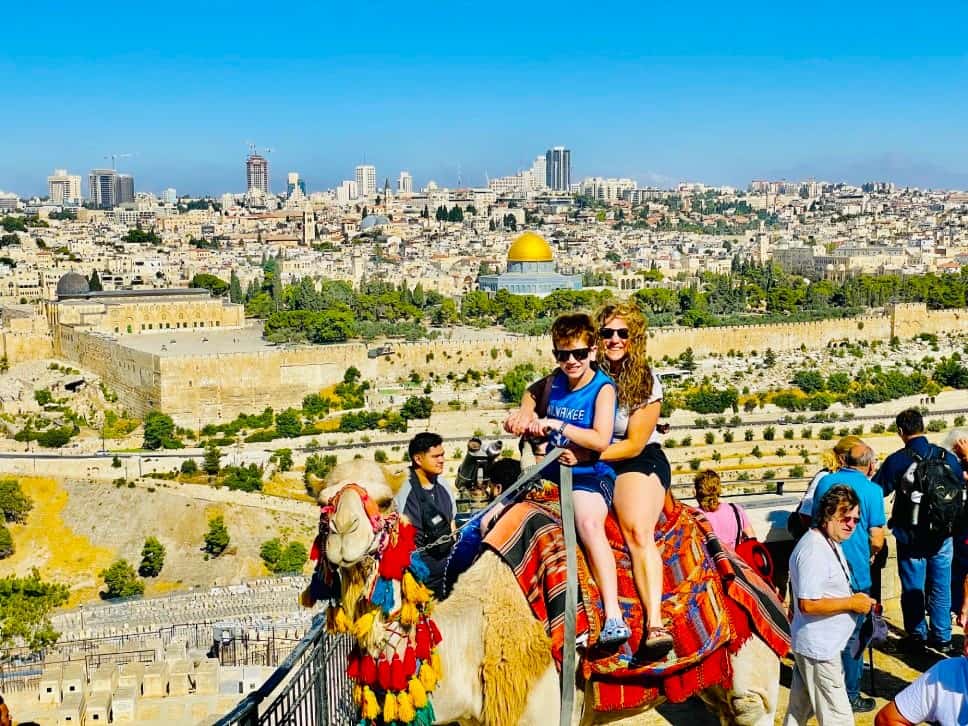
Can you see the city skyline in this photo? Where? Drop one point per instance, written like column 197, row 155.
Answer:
column 660, row 95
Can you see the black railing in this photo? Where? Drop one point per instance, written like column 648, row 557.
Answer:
column 309, row 688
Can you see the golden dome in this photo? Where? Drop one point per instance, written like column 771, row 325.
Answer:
column 530, row 247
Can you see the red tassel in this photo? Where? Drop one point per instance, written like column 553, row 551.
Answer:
column 368, row 670
column 396, row 557
column 434, row 631
column 383, row 673
column 353, row 668
column 398, row 680
column 423, row 643
column 409, row 661
column 317, row 549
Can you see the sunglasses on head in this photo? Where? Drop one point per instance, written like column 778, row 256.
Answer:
column 607, row 333
column 579, row 354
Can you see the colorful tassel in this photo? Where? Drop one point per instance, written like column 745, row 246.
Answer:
column 383, row 595
column 368, row 670
column 363, row 625
column 409, row 614
column 371, row 709
column 358, row 694
column 390, row 709
column 383, row 673
column 418, row 693
column 353, row 668
column 422, row 641
column 437, row 666
column 418, row 567
column 405, row 710
column 341, row 623
column 434, row 631
column 427, row 677
column 398, row 679
column 425, row 716
column 409, row 661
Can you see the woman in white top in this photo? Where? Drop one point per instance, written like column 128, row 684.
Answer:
column 642, row 470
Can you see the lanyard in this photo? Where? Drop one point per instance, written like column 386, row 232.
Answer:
column 844, row 567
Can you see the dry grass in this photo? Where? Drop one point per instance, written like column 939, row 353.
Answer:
column 47, row 543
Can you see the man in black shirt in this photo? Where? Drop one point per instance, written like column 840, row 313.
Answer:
column 426, row 501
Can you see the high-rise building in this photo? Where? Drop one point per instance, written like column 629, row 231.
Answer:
column 405, row 183
column 366, row 180
column 347, row 192
column 64, row 188
column 125, row 189
column 257, row 174
column 170, row 196
column 558, row 169
column 539, row 172
column 293, row 183
column 103, row 188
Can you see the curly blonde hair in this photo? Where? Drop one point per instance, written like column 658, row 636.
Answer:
column 833, row 459
column 708, row 488
column 634, row 377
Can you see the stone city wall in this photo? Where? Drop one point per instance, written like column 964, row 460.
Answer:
column 132, row 374
column 18, row 347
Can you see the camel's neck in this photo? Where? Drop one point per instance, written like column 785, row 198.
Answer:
column 357, row 584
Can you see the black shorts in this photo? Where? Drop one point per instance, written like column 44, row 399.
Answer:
column 651, row 460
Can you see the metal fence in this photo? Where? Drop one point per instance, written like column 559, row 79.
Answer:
column 309, row 689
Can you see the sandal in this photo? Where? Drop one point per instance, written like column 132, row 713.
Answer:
column 614, row 632
column 658, row 639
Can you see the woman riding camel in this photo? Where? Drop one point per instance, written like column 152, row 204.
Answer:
column 635, row 454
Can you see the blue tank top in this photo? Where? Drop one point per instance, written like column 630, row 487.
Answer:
column 575, row 407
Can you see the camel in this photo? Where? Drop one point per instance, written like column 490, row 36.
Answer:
column 497, row 667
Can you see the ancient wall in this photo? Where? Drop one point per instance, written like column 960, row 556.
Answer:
column 18, row 347
column 133, row 375
column 443, row 356
column 198, row 389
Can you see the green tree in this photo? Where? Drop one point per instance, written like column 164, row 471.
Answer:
column 315, row 405
column 235, row 288
column 809, row 381
column 282, row 458
column 120, row 580
column 26, row 604
column 6, row 542
column 216, row 285
column 417, row 407
column 217, row 538
column 152, row 557
column 318, row 465
column 516, row 381
column 189, row 467
column 351, row 375
column 94, row 282
column 288, row 423
column 159, row 431
column 55, row 438
column 14, row 504
column 211, row 463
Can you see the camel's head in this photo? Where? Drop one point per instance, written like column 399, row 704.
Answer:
column 356, row 500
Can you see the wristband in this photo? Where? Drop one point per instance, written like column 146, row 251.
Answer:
column 561, row 429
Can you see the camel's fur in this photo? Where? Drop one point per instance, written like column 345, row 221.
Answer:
column 496, row 656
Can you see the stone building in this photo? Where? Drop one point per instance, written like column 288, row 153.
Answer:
column 531, row 270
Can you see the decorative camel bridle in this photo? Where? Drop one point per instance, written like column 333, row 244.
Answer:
column 394, row 664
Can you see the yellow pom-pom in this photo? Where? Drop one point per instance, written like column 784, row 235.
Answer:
column 390, row 709
column 409, row 613
column 414, row 591
column 436, row 665
column 363, row 625
column 418, row 693
column 358, row 694
column 427, row 677
column 405, row 711
column 371, row 709
column 341, row 622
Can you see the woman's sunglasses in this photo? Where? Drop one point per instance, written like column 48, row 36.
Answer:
column 607, row 333
column 579, row 354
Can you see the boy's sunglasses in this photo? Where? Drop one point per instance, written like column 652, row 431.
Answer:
column 579, row 354
column 607, row 333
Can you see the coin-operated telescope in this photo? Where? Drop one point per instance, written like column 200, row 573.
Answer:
column 479, row 456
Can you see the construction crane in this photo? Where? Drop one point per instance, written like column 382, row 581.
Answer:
column 253, row 150
column 115, row 157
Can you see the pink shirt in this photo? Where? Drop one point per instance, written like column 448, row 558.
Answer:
column 724, row 522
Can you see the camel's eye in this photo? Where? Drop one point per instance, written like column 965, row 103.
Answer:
column 384, row 503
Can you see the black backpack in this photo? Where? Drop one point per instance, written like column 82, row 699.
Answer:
column 941, row 508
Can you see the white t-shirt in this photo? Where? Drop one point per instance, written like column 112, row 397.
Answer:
column 622, row 414
column 940, row 694
column 806, row 504
column 817, row 572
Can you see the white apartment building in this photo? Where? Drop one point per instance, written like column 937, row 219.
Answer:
column 607, row 190
column 365, row 180
column 348, row 191
column 64, row 188
column 405, row 183
column 539, row 172
column 170, row 196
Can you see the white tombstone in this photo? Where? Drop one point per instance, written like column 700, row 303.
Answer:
column 98, row 708
column 70, row 712
column 50, row 684
column 123, row 704
column 155, row 682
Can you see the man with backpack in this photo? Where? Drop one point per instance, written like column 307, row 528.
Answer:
column 929, row 502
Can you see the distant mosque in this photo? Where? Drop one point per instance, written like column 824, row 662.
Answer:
column 531, row 270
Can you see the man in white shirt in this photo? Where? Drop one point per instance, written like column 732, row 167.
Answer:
column 940, row 695
column 823, row 617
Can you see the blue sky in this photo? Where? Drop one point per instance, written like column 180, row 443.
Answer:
column 661, row 92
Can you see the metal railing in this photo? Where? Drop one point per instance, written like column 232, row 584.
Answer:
column 308, row 689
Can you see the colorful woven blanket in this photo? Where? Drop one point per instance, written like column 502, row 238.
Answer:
column 708, row 598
